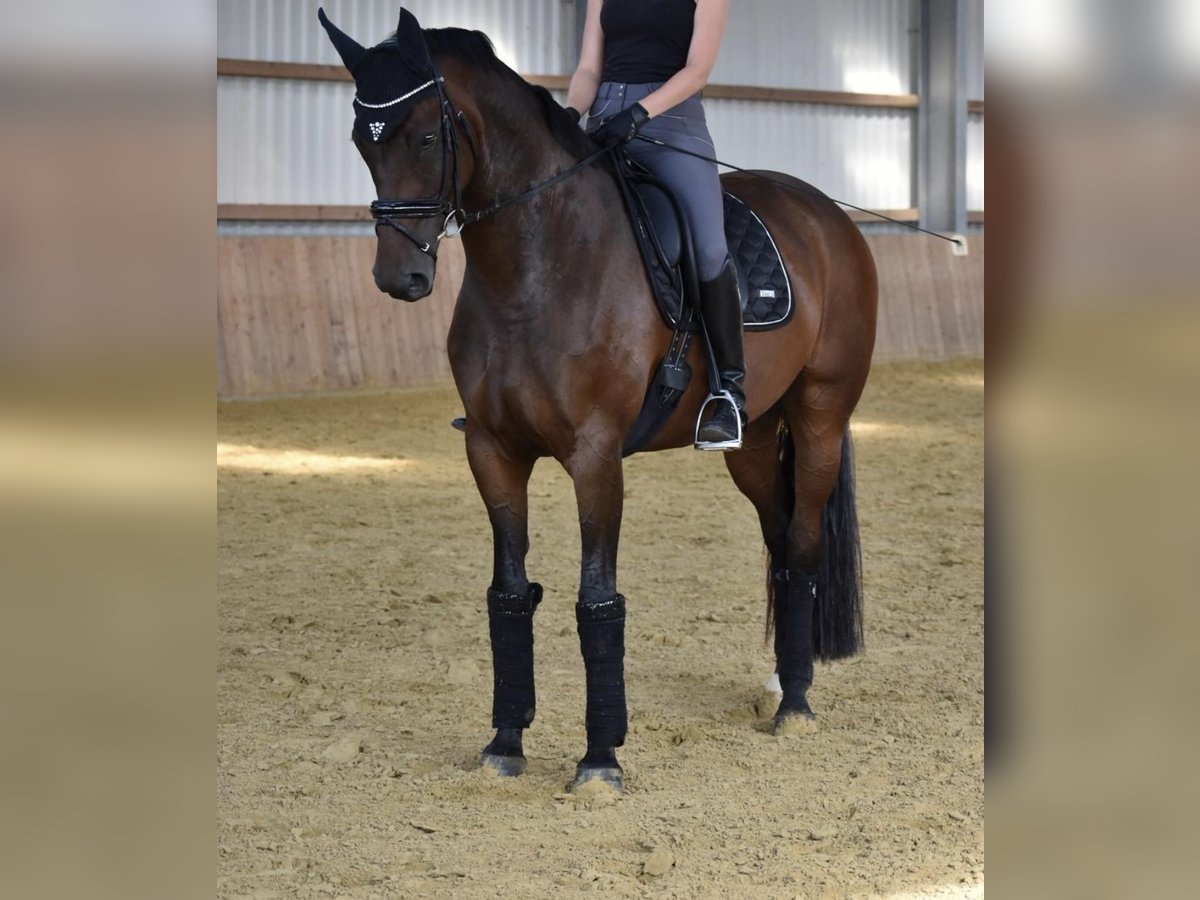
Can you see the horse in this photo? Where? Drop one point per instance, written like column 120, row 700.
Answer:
column 554, row 340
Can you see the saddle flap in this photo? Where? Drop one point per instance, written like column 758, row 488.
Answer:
column 662, row 219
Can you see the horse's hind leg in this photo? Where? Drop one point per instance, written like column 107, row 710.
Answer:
column 809, row 623
column 757, row 473
column 503, row 483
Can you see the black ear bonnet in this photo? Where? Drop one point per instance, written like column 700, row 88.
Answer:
column 389, row 78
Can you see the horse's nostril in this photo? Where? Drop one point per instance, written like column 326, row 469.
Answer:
column 418, row 284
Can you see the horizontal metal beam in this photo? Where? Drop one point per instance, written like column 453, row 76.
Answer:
column 258, row 68
column 802, row 95
column 255, row 68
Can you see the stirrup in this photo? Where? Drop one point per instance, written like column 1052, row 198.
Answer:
column 736, row 443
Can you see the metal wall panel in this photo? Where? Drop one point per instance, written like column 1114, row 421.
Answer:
column 837, row 45
column 857, row 154
column 530, row 35
column 287, row 142
column 863, row 156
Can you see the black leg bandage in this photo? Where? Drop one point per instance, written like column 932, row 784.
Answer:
column 794, row 636
column 510, row 619
column 602, row 640
column 779, row 600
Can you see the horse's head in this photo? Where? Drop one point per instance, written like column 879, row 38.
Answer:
column 405, row 130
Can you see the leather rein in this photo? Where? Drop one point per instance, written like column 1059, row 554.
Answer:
column 390, row 212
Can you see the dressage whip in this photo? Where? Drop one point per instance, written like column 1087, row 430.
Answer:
column 814, row 192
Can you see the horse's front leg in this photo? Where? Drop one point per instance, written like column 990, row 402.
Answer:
column 600, row 612
column 511, row 600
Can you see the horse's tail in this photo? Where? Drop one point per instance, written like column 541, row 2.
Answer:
column 838, row 613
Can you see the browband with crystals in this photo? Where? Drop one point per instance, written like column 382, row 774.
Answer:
column 411, row 93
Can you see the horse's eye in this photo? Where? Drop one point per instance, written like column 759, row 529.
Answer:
column 429, row 139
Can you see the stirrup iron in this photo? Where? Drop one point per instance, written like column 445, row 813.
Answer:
column 736, row 443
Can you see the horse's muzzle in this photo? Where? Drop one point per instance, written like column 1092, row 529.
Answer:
column 417, row 287
column 404, row 285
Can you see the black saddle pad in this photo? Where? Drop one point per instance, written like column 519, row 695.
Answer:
column 766, row 288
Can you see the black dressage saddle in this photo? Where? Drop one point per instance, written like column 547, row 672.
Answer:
column 665, row 242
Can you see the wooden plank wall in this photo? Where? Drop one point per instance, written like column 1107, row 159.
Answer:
column 300, row 314
column 930, row 301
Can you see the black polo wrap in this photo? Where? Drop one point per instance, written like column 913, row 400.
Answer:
column 510, row 621
column 794, row 635
column 602, row 640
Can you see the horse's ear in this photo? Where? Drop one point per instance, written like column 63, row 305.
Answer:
column 348, row 49
column 410, row 37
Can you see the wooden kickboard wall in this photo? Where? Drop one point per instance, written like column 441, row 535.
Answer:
column 302, row 314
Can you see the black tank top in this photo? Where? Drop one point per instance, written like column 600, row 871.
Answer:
column 646, row 40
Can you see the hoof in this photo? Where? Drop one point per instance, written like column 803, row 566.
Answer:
column 594, row 780
column 504, row 766
column 459, row 424
column 794, row 723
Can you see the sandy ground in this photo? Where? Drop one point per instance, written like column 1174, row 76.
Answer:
column 354, row 674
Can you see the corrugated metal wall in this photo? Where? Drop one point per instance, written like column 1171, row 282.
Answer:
column 530, row 35
column 857, row 154
column 844, row 45
column 288, row 142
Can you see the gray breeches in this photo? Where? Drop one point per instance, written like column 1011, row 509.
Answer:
column 694, row 181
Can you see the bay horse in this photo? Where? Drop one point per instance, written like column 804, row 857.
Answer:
column 554, row 340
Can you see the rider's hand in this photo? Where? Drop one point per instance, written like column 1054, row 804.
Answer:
column 575, row 114
column 621, row 128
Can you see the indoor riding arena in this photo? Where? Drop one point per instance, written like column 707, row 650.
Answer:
column 354, row 681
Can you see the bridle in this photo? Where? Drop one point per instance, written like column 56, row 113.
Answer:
column 389, row 212
column 447, row 202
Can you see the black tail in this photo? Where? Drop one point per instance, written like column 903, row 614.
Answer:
column 838, row 615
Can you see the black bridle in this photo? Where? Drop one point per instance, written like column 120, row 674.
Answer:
column 389, row 212
column 448, row 203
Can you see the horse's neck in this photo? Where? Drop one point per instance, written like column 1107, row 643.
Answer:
column 517, row 152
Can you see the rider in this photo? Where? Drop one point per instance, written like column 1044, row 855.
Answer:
column 641, row 70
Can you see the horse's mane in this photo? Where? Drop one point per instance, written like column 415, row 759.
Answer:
column 474, row 47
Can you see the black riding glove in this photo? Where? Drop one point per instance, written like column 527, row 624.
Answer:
column 621, row 128
column 575, row 114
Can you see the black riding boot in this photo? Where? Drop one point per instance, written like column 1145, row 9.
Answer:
column 721, row 309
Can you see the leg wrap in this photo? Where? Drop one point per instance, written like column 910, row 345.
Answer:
column 794, row 636
column 510, row 620
column 602, row 640
column 779, row 600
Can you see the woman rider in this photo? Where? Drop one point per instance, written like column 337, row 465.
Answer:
column 641, row 69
